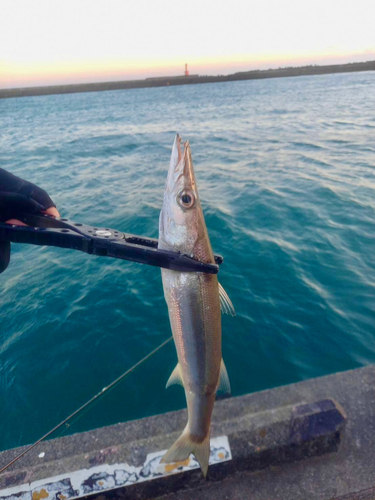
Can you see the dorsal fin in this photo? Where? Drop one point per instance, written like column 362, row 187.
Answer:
column 225, row 302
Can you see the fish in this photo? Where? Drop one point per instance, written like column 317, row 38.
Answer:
column 194, row 305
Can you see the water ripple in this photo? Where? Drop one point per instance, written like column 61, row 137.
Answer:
column 286, row 176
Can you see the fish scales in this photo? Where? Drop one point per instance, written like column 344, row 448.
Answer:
column 194, row 311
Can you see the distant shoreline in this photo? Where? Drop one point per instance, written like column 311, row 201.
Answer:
column 188, row 80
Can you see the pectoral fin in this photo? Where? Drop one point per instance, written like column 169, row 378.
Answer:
column 224, row 384
column 176, row 377
column 225, row 302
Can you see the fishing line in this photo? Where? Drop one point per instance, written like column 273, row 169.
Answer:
column 103, row 391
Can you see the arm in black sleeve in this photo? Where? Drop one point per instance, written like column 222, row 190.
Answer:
column 16, row 197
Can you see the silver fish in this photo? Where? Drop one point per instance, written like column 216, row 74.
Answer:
column 193, row 301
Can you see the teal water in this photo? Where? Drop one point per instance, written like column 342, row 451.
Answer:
column 286, row 174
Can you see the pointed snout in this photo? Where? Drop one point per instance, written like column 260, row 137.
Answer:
column 188, row 166
column 181, row 171
column 176, row 150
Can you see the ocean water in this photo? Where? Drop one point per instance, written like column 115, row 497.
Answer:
column 286, row 175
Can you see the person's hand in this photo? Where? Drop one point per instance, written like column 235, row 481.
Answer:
column 50, row 211
column 17, row 197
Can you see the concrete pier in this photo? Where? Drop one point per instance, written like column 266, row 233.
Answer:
column 306, row 441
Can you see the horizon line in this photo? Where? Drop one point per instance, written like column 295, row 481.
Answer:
column 166, row 77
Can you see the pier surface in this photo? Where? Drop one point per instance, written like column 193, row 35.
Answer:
column 310, row 440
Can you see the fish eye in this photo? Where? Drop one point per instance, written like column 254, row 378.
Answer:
column 186, row 199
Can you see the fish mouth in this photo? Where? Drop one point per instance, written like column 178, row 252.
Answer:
column 181, row 165
column 175, row 165
column 188, row 167
column 176, row 155
column 178, row 141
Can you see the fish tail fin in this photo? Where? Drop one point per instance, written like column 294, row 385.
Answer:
column 184, row 446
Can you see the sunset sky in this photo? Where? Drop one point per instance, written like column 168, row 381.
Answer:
column 48, row 42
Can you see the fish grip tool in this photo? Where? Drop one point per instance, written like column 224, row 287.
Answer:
column 105, row 242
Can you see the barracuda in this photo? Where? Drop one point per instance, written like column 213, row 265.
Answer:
column 193, row 301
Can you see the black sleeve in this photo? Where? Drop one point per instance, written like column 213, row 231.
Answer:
column 4, row 255
column 17, row 196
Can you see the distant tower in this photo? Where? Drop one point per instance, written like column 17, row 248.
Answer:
column 186, row 70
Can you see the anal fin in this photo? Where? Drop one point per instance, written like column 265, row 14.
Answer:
column 224, row 384
column 176, row 377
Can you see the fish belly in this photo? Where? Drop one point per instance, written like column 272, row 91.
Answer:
column 194, row 313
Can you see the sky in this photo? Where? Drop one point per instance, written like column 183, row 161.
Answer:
column 51, row 42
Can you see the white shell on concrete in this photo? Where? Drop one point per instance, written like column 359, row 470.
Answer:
column 107, row 477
